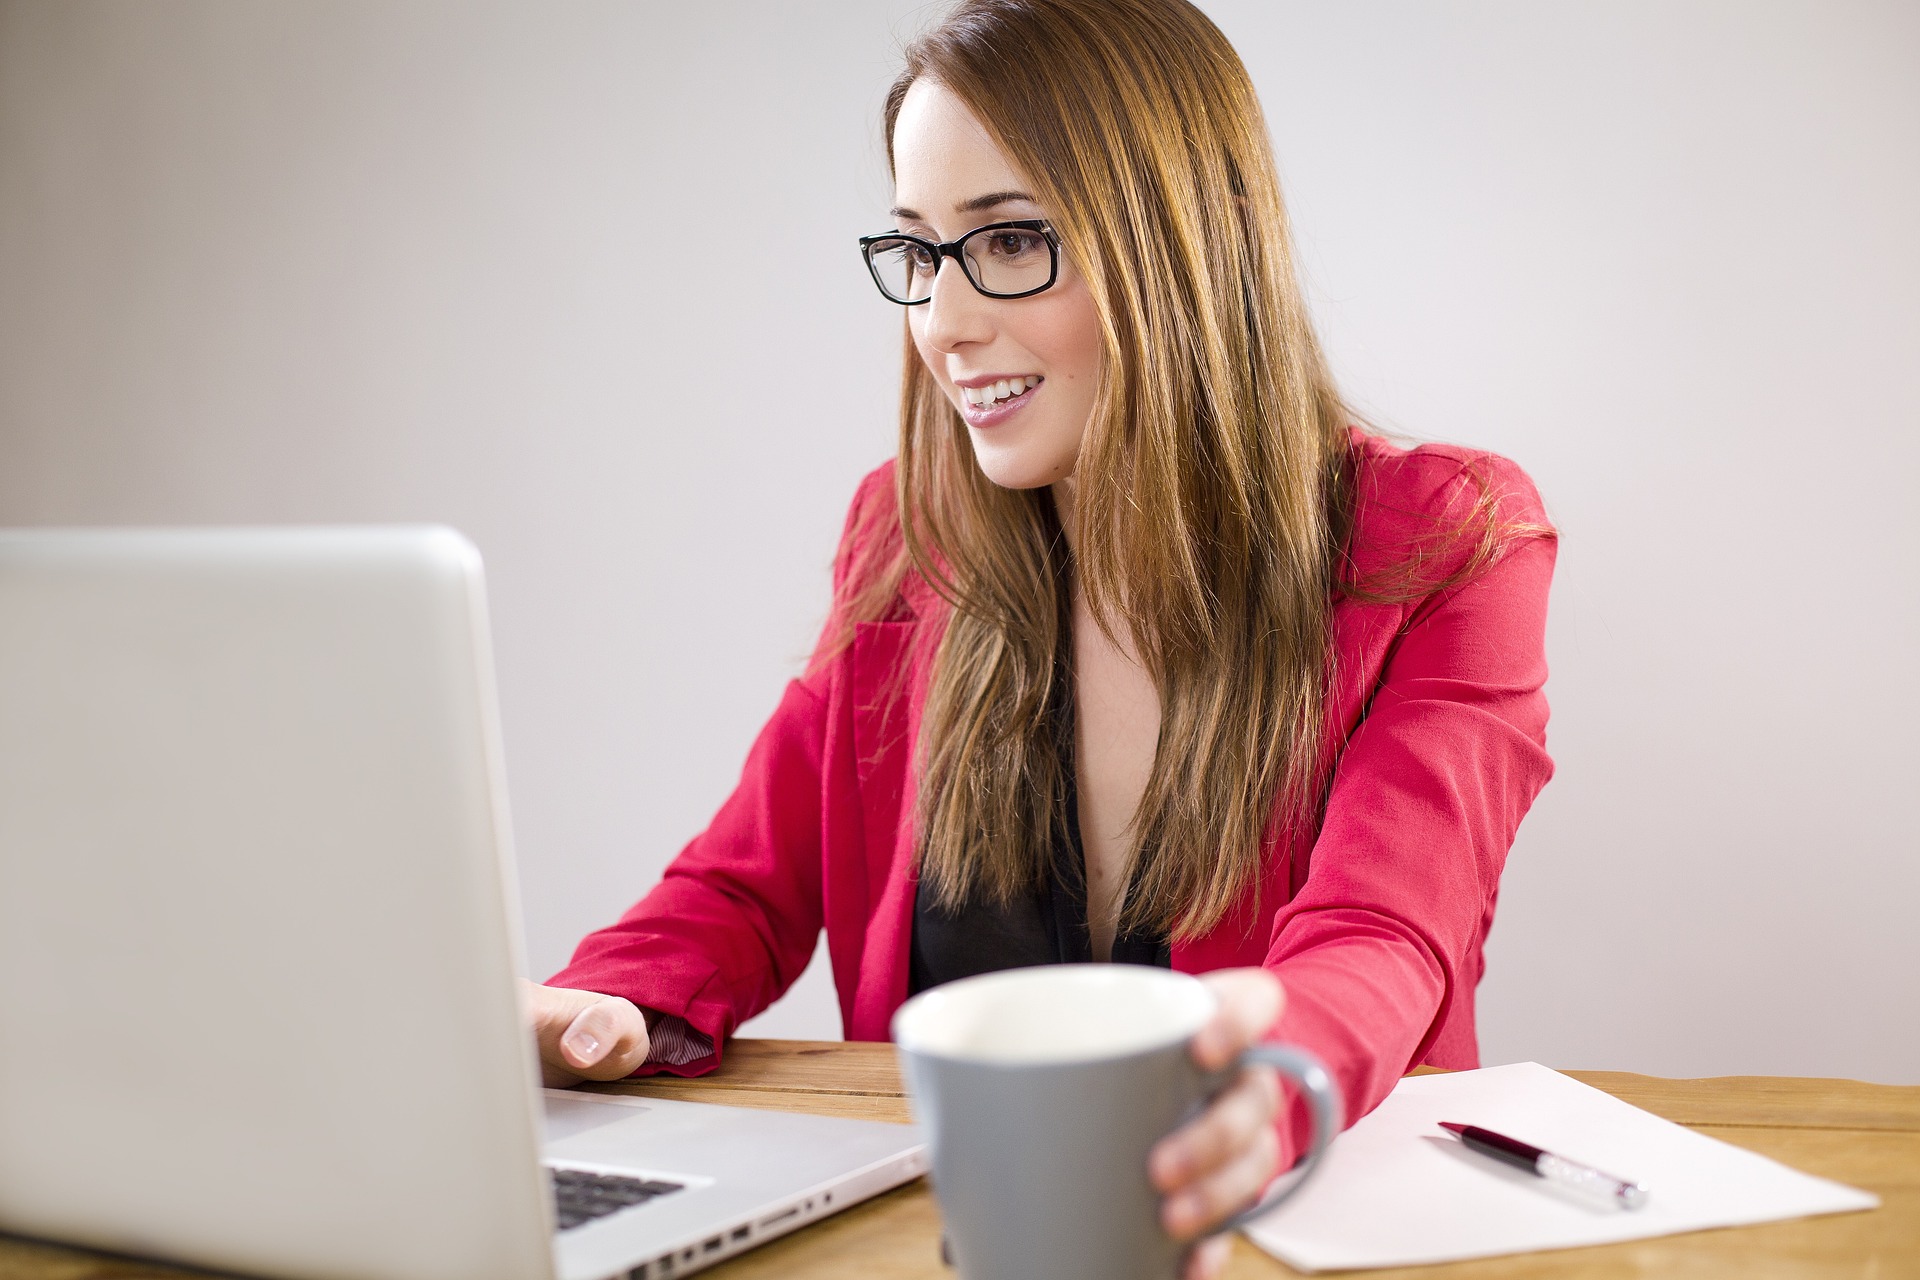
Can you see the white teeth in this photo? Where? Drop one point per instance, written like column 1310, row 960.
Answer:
column 1005, row 389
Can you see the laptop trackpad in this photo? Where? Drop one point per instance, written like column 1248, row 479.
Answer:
column 570, row 1115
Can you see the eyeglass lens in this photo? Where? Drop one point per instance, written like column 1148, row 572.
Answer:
column 998, row 260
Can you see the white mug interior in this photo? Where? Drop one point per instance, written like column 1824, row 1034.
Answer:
column 1054, row 1013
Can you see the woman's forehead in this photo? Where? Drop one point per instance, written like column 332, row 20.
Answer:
column 944, row 160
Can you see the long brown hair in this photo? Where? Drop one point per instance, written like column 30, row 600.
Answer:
column 1212, row 483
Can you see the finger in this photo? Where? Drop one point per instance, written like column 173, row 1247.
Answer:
column 1218, row 1134
column 549, row 1011
column 607, row 1040
column 1249, row 1002
column 1206, row 1203
column 1208, row 1259
column 610, row 1044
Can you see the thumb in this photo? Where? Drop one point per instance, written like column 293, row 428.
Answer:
column 584, row 1035
column 606, row 1040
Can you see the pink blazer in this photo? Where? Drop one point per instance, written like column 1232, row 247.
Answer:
column 1374, row 925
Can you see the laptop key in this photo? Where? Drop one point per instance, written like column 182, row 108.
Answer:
column 581, row 1196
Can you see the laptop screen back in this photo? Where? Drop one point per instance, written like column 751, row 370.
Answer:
column 253, row 870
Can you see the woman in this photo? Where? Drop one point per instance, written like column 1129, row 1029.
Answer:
column 1141, row 651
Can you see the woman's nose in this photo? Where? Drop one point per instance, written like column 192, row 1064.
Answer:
column 956, row 312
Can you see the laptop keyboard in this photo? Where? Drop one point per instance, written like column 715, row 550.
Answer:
column 580, row 1197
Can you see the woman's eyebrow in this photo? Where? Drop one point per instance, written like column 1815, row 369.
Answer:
column 974, row 205
column 991, row 199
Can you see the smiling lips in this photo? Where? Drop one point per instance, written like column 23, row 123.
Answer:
column 992, row 393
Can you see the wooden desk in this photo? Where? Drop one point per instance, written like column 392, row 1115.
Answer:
column 1863, row 1134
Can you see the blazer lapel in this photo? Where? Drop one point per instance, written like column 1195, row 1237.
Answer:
column 885, row 689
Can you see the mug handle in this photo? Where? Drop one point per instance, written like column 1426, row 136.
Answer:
column 1323, row 1099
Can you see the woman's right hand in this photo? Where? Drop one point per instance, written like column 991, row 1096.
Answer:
column 583, row 1035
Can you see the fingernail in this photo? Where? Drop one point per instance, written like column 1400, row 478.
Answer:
column 582, row 1045
column 1167, row 1167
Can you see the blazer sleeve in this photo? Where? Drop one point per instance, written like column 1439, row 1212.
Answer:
column 1384, row 934
column 733, row 922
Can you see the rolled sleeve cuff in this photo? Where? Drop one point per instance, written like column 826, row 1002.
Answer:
column 672, row 1043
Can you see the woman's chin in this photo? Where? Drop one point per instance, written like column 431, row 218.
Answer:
column 1012, row 466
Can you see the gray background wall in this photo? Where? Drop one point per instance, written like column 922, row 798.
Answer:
column 578, row 279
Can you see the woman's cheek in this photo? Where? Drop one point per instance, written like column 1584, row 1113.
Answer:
column 1071, row 433
column 929, row 359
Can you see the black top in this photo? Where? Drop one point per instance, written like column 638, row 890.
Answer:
column 1048, row 926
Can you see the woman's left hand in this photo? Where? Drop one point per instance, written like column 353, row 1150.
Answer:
column 1216, row 1164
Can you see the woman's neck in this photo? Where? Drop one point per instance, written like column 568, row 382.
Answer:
column 1116, row 722
column 1065, row 508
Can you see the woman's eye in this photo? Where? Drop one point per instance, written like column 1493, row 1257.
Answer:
column 910, row 256
column 902, row 255
column 1012, row 244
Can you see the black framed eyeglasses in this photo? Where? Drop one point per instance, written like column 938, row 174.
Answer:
column 1002, row 260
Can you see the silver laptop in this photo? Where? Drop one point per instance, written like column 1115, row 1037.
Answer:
column 259, row 975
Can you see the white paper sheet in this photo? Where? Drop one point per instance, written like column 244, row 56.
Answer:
column 1397, row 1190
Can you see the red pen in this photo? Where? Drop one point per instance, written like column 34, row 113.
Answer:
column 1555, row 1169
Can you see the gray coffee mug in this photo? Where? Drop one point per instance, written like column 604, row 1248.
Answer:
column 1042, row 1091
